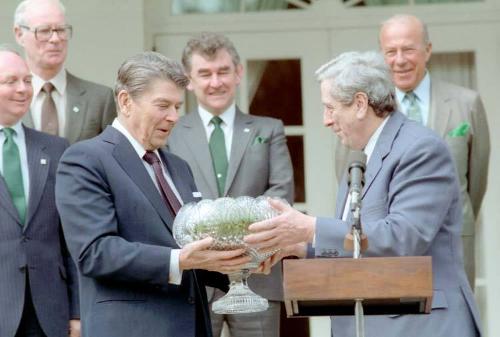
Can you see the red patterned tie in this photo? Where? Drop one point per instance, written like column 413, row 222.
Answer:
column 166, row 192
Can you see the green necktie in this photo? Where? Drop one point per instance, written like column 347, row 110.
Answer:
column 413, row 111
column 217, row 147
column 12, row 172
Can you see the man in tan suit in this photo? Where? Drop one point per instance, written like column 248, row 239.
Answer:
column 63, row 104
column 455, row 113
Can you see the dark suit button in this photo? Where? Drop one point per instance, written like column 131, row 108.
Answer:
column 191, row 300
column 24, row 239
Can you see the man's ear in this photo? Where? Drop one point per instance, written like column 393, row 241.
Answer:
column 361, row 104
column 190, row 84
column 124, row 100
column 19, row 34
column 239, row 72
column 428, row 52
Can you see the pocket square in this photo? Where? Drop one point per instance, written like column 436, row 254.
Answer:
column 196, row 194
column 460, row 130
column 260, row 140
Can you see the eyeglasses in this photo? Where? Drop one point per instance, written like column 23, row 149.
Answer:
column 44, row 33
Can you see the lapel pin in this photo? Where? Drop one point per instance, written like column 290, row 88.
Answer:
column 43, row 161
column 76, row 109
column 246, row 130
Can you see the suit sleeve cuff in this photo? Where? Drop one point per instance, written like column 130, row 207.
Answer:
column 175, row 274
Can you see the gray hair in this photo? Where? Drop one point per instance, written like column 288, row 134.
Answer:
column 208, row 44
column 5, row 47
column 136, row 73
column 19, row 18
column 403, row 18
column 366, row 72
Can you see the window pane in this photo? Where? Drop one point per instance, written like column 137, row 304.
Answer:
column 275, row 90
column 296, row 148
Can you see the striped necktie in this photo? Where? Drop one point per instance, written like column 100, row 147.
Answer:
column 413, row 112
column 12, row 173
column 217, row 145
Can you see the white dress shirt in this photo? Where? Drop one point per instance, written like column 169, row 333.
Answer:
column 20, row 140
column 175, row 276
column 423, row 94
column 227, row 125
column 368, row 150
column 59, row 95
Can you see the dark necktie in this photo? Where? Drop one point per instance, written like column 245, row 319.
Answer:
column 166, row 192
column 49, row 112
column 12, row 173
column 413, row 111
column 217, row 145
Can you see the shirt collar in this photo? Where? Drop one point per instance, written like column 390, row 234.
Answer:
column 422, row 91
column 139, row 149
column 18, row 127
column 227, row 116
column 370, row 146
column 58, row 81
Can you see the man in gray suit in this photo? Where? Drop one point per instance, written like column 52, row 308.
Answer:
column 411, row 200
column 118, row 194
column 38, row 292
column 63, row 104
column 252, row 159
column 455, row 113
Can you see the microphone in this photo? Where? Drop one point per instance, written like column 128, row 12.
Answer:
column 356, row 181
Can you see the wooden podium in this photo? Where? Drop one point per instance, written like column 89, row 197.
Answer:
column 329, row 287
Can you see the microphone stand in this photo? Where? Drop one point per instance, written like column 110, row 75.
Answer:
column 357, row 241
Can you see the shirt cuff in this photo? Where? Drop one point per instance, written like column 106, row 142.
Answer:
column 175, row 275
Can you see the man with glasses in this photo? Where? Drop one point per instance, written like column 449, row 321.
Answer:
column 63, row 104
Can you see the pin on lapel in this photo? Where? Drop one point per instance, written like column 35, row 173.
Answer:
column 76, row 109
column 246, row 130
column 43, row 161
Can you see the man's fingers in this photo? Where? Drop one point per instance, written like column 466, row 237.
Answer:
column 202, row 244
column 264, row 225
column 278, row 204
column 258, row 237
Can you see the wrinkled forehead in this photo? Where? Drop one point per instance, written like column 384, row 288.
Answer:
column 44, row 14
column 11, row 63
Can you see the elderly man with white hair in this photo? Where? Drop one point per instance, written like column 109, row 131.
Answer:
column 411, row 200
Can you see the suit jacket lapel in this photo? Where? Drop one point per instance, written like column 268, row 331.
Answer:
column 177, row 176
column 38, row 166
column 440, row 111
column 382, row 148
column 242, row 133
column 127, row 158
column 76, row 108
column 196, row 141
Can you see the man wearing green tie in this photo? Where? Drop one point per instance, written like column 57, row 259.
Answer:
column 39, row 297
column 232, row 154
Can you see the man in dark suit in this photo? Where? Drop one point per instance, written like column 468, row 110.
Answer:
column 118, row 194
column 38, row 292
column 411, row 200
column 63, row 104
column 255, row 160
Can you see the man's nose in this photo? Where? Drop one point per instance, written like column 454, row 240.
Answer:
column 400, row 57
column 327, row 118
column 215, row 80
